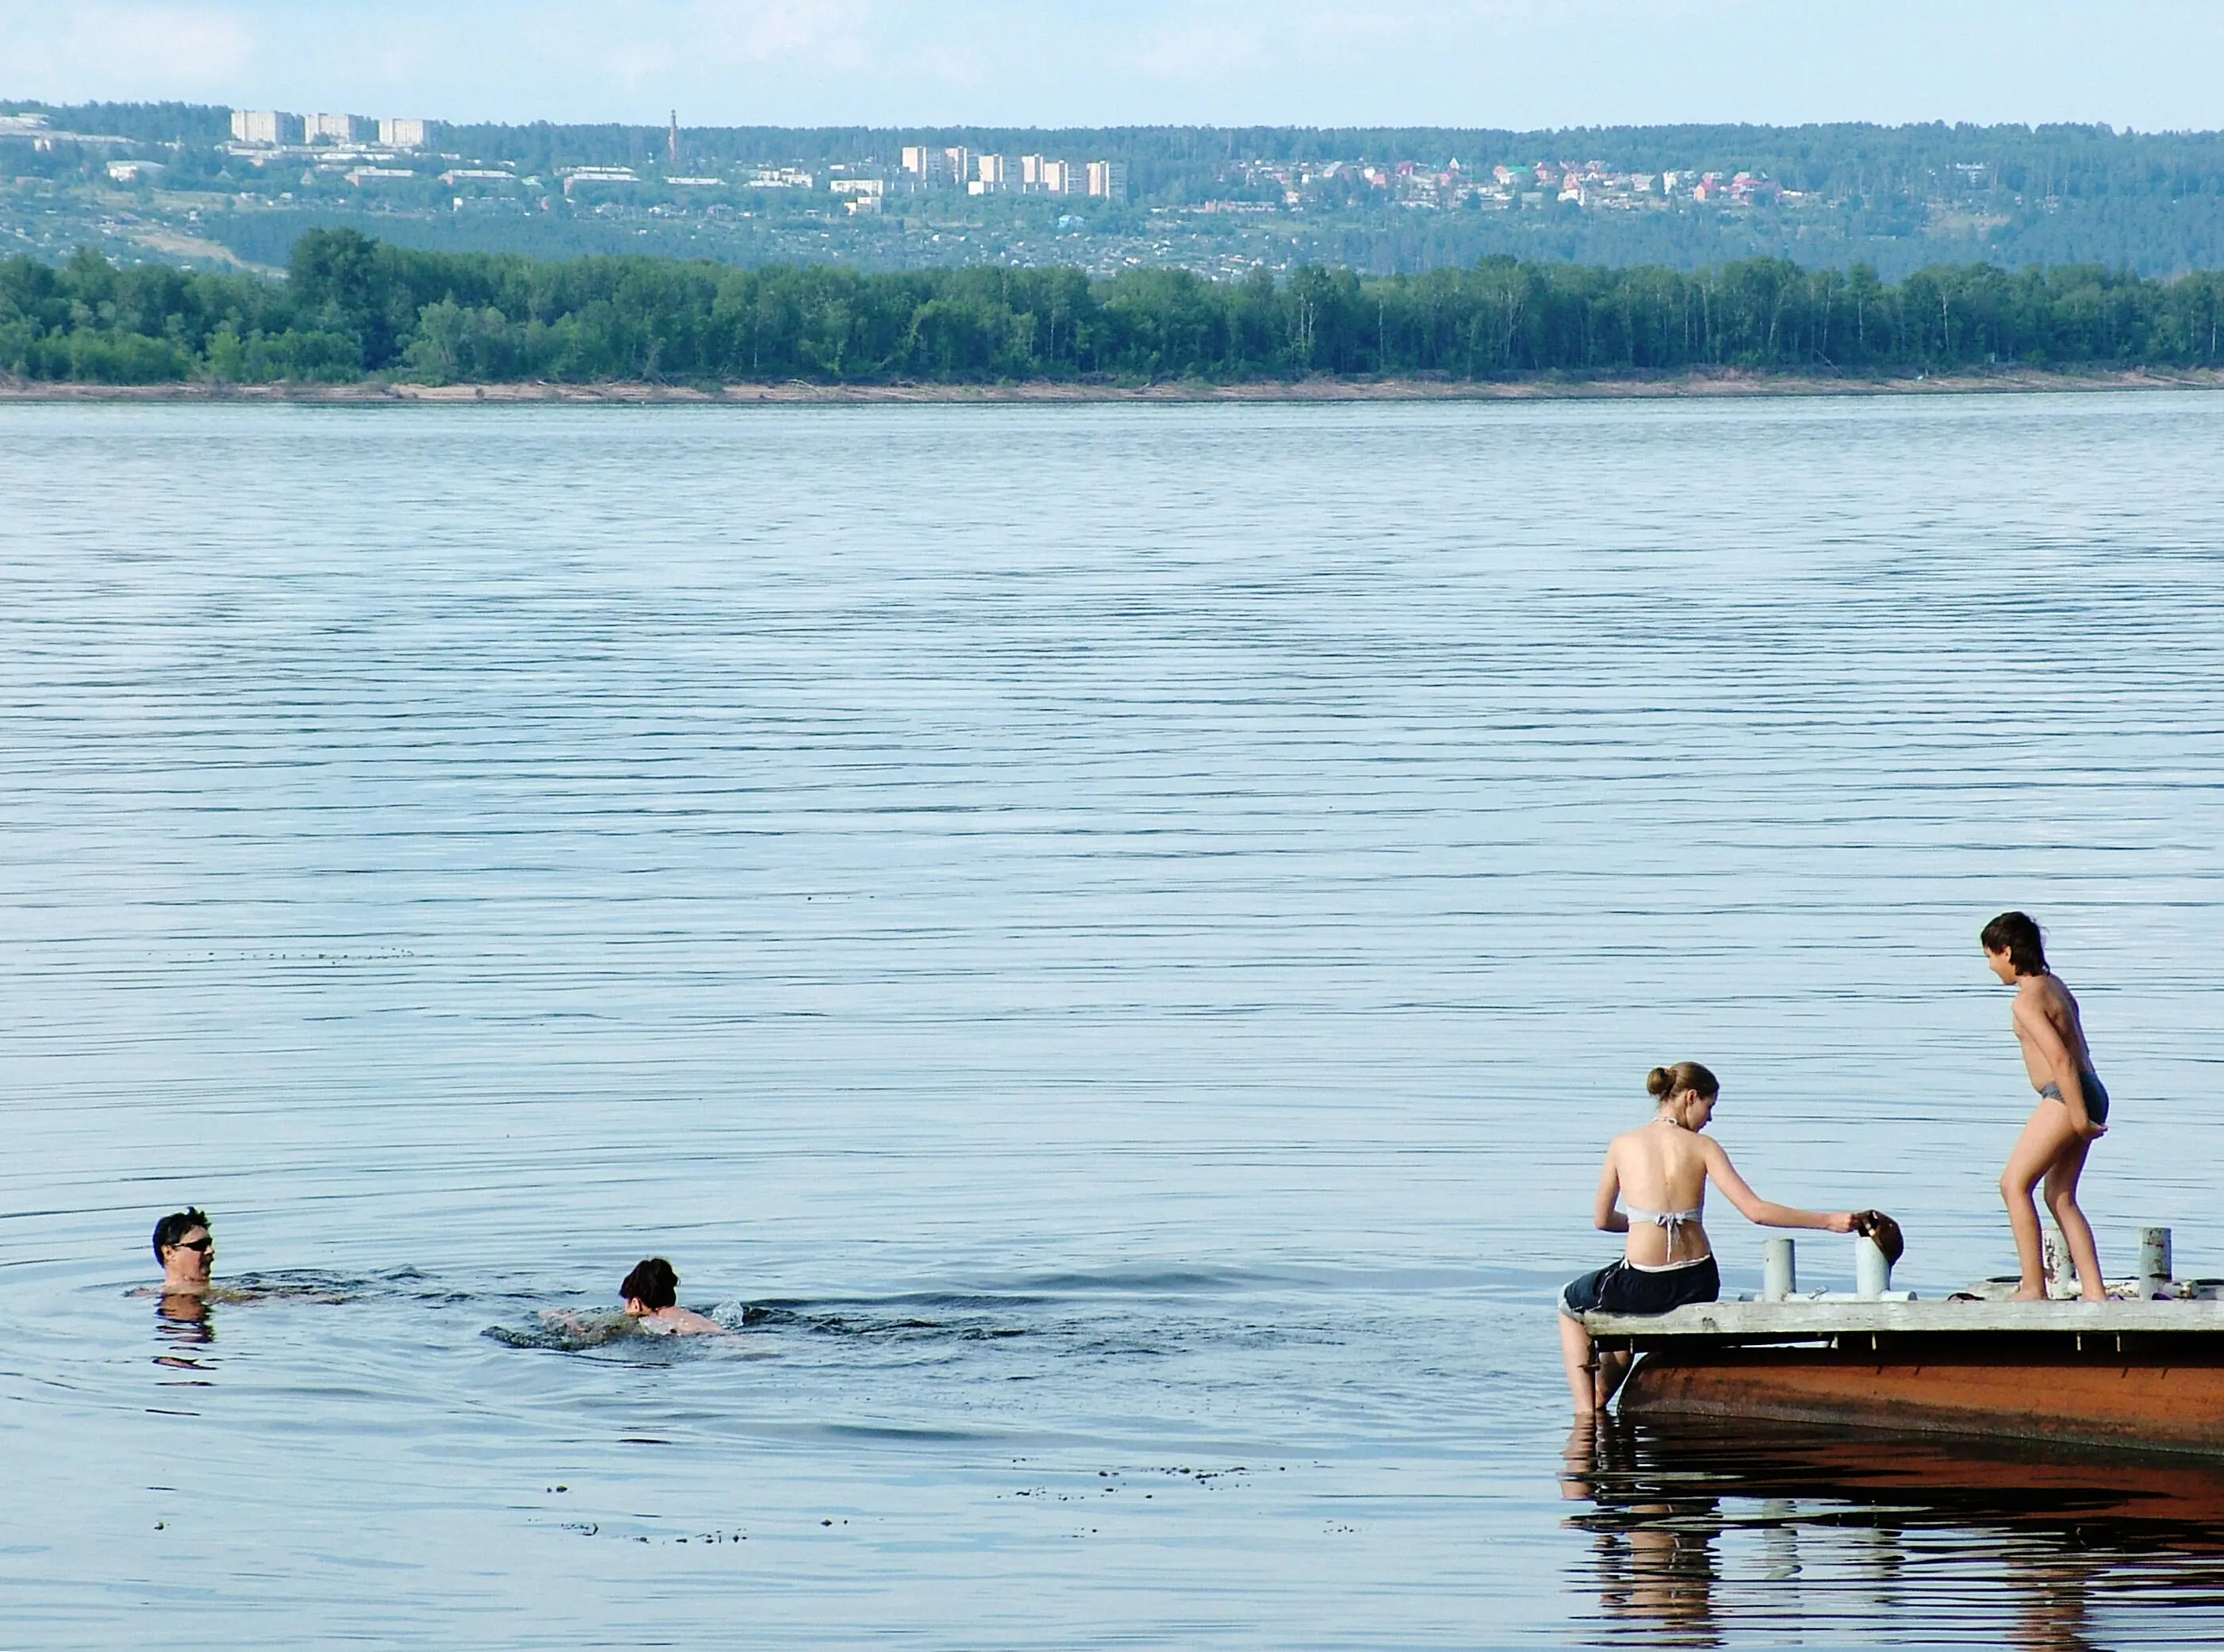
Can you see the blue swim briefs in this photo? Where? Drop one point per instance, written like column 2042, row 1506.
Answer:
column 2096, row 1096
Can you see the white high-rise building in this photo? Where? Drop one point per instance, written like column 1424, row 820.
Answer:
column 1108, row 179
column 914, row 161
column 398, row 134
column 265, row 126
column 1057, row 178
column 340, row 129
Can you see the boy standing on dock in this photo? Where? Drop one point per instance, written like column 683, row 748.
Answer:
column 2073, row 1107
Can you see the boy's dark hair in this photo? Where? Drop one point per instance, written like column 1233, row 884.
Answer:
column 652, row 1284
column 175, row 1225
column 2017, row 935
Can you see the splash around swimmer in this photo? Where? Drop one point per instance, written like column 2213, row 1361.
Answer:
column 185, row 1248
column 649, row 1299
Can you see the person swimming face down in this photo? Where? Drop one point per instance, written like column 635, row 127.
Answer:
column 186, row 1252
column 651, row 1295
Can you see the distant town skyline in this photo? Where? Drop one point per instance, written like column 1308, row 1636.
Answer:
column 1522, row 64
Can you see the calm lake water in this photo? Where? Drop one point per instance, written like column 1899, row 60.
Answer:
column 1116, row 936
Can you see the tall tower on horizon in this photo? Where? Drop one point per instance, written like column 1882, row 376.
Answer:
column 674, row 142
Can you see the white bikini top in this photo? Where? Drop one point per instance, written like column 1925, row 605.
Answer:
column 1669, row 1221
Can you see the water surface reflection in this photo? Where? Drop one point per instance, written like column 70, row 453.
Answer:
column 1711, row 1531
column 1126, row 957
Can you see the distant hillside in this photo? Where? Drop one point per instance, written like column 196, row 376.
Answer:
column 142, row 123
column 1219, row 201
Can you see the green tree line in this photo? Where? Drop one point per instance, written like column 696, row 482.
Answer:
column 351, row 307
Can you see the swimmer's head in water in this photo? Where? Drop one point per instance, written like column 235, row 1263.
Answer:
column 186, row 1250
column 652, row 1283
column 177, row 1227
column 2016, row 936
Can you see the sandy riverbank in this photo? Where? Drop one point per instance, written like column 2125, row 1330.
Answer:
column 1543, row 387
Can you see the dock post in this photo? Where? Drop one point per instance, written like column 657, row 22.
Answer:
column 1872, row 1272
column 1779, row 1269
column 2061, row 1272
column 2154, row 1261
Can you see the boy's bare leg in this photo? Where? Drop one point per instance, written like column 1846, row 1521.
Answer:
column 2044, row 1139
column 2076, row 1231
column 1576, row 1350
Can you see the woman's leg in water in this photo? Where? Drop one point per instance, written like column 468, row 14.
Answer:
column 2076, row 1231
column 2044, row 1139
column 1581, row 1358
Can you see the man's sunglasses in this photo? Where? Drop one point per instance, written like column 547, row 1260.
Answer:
column 203, row 1243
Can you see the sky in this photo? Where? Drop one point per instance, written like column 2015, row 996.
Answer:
column 2153, row 64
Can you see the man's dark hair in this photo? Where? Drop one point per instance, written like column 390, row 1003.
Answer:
column 175, row 1225
column 652, row 1284
column 2017, row 935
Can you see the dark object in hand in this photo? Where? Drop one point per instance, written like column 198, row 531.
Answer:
column 1875, row 1225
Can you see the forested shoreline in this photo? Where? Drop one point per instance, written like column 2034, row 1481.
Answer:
column 353, row 308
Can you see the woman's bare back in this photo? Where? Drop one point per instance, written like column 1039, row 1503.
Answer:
column 1662, row 1169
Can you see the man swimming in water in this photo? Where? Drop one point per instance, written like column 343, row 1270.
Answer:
column 2072, row 1112
column 186, row 1252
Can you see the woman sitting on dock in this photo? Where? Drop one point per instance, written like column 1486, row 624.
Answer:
column 1664, row 1167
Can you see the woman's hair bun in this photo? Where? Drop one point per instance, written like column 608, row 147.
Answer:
column 1665, row 1082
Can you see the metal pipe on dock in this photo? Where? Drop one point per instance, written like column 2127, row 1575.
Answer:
column 2154, row 1261
column 1871, row 1269
column 1779, row 1269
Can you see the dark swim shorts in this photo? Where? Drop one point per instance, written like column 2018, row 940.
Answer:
column 1619, row 1288
column 2096, row 1096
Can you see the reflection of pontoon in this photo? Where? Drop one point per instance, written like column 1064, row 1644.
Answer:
column 1791, row 1473
column 2119, row 1374
column 1707, row 1526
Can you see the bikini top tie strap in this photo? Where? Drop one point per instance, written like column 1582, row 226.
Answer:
column 1671, row 1220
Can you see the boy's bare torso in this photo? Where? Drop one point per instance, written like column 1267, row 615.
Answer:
column 2045, row 998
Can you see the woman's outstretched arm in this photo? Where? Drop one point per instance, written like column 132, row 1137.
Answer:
column 1763, row 1212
